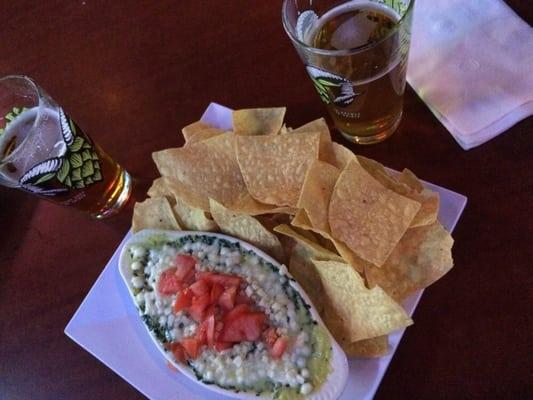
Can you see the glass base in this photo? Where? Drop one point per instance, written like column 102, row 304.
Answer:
column 119, row 198
column 376, row 138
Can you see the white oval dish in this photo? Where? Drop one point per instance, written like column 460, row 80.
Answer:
column 331, row 389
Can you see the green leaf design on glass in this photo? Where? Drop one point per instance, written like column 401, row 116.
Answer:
column 75, row 175
column 10, row 116
column 322, row 90
column 332, row 88
column 86, row 155
column 97, row 176
column 62, row 174
column 397, row 5
column 79, row 184
column 76, row 160
column 44, row 178
column 76, row 145
column 67, row 181
column 87, row 170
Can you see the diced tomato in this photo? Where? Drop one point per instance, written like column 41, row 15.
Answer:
column 279, row 347
column 212, row 309
column 201, row 334
column 238, row 310
column 219, row 325
column 227, row 299
column 168, row 283
column 216, row 290
column 183, row 300
column 241, row 298
column 270, row 336
column 200, row 288
column 184, row 266
column 222, row 279
column 198, row 306
column 185, row 261
column 191, row 346
column 209, row 325
column 179, row 352
column 247, row 326
column 219, row 346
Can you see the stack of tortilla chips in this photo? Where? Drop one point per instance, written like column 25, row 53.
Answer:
column 358, row 239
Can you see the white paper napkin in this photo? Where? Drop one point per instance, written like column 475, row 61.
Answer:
column 471, row 61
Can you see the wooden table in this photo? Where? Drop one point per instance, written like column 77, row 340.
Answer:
column 132, row 73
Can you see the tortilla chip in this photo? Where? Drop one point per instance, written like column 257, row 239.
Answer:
column 172, row 188
column 192, row 218
column 367, row 348
column 188, row 217
column 258, row 121
column 319, row 125
column 373, row 347
column 274, row 167
column 429, row 200
column 285, row 129
column 369, row 218
column 208, row 169
column 246, row 228
column 422, row 257
column 316, row 193
column 305, row 273
column 249, row 205
column 318, row 252
column 154, row 213
column 192, row 129
column 410, row 179
column 362, row 313
column 342, row 156
column 204, row 135
column 301, row 221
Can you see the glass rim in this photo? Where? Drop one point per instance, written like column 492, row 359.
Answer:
column 38, row 92
column 343, row 52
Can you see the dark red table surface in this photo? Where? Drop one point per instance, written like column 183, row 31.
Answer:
column 132, row 73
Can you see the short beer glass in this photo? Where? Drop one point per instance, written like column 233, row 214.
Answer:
column 355, row 53
column 44, row 152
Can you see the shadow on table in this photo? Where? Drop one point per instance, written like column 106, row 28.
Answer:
column 16, row 210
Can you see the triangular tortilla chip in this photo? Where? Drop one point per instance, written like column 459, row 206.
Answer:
column 274, row 167
column 364, row 313
column 319, row 125
column 369, row 218
column 258, row 121
column 247, row 228
column 301, row 221
column 342, row 156
column 312, row 246
column 422, row 256
column 208, row 169
column 154, row 213
column 305, row 273
column 367, row 348
column 192, row 129
column 316, row 193
column 408, row 185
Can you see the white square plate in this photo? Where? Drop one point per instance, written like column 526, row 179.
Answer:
column 108, row 326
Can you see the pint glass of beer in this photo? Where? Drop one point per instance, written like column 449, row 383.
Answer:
column 355, row 53
column 44, row 152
